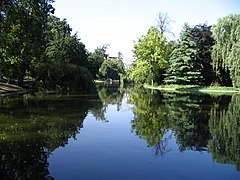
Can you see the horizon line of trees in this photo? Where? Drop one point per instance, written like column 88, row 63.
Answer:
column 203, row 55
column 38, row 47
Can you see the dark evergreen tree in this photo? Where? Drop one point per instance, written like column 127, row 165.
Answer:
column 202, row 36
column 183, row 62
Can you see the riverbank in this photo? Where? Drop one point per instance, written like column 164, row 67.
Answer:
column 10, row 89
column 196, row 89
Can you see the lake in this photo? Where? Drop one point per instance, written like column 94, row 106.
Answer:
column 120, row 133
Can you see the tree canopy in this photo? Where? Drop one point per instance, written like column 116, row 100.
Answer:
column 226, row 51
column 111, row 69
column 183, row 62
column 150, row 49
column 23, row 36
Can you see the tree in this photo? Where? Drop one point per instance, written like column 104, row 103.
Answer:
column 202, row 36
column 183, row 62
column 22, row 36
column 164, row 23
column 66, row 60
column 226, row 51
column 96, row 58
column 139, row 72
column 151, row 49
column 111, row 69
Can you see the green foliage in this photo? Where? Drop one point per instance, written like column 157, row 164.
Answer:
column 66, row 61
column 151, row 50
column 226, row 51
column 40, row 47
column 183, row 62
column 23, row 37
column 95, row 60
column 139, row 72
column 111, row 69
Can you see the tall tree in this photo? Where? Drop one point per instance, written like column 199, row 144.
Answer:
column 23, row 27
column 151, row 49
column 226, row 51
column 66, row 58
column 183, row 62
column 202, row 36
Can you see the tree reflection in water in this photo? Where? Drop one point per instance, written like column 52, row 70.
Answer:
column 224, row 127
column 31, row 128
column 199, row 122
column 150, row 119
column 34, row 126
column 108, row 94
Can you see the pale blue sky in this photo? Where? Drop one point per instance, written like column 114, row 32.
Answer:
column 120, row 22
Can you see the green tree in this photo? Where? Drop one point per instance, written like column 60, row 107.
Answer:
column 151, row 50
column 65, row 64
column 226, row 51
column 23, row 37
column 111, row 69
column 96, row 58
column 183, row 62
column 139, row 72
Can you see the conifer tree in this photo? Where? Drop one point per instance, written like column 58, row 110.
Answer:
column 183, row 65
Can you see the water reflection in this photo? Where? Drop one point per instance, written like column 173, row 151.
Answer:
column 32, row 127
column 224, row 127
column 199, row 122
column 150, row 119
column 108, row 94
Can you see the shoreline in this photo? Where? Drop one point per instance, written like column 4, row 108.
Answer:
column 196, row 89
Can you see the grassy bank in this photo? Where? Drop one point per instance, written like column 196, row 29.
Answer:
column 196, row 89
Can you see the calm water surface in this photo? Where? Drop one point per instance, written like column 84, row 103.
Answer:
column 120, row 133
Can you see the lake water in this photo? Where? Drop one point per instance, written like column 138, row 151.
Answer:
column 120, row 133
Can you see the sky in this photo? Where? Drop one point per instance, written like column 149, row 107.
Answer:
column 119, row 23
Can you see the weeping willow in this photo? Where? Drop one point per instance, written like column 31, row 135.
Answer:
column 226, row 51
column 224, row 127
